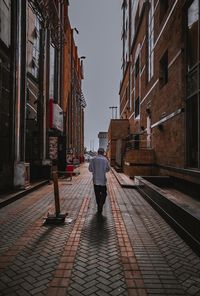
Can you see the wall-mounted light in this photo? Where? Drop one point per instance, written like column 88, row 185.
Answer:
column 148, row 111
column 160, row 127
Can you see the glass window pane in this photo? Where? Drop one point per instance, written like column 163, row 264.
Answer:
column 5, row 21
column 192, row 82
column 193, row 23
column 192, row 131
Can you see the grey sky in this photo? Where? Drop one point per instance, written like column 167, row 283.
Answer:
column 99, row 39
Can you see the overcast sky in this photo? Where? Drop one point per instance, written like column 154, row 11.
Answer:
column 99, row 25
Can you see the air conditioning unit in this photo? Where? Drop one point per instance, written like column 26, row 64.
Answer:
column 22, row 175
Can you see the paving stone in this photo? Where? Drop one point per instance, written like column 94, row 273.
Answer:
column 77, row 287
column 117, row 285
column 118, row 291
column 22, row 292
column 33, row 251
column 26, row 286
column 90, row 291
column 101, row 293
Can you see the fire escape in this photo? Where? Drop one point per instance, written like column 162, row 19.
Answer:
column 49, row 14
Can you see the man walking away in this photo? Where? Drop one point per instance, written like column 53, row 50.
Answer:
column 99, row 166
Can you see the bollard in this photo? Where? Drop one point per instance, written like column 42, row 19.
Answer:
column 56, row 218
column 56, row 193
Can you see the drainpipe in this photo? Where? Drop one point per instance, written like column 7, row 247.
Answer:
column 44, row 156
column 20, row 107
column 23, row 79
column 46, row 96
column 18, row 83
column 21, row 170
column 41, row 101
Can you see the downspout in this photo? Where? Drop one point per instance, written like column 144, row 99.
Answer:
column 23, row 80
column 44, row 152
column 18, row 83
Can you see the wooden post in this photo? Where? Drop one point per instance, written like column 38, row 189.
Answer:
column 56, row 193
column 56, row 218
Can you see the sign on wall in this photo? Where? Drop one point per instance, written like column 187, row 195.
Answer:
column 53, row 148
column 56, row 116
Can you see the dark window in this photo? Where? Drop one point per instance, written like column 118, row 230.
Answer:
column 192, row 131
column 5, row 21
column 127, row 98
column 163, row 8
column 193, row 94
column 163, row 69
column 137, row 107
column 137, row 17
column 192, row 34
column 137, row 66
column 150, row 34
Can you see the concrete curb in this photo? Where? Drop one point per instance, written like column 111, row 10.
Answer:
column 15, row 196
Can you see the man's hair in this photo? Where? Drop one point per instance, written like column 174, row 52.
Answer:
column 101, row 151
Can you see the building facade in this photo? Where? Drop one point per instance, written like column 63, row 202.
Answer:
column 6, row 95
column 103, row 140
column 36, row 86
column 159, row 91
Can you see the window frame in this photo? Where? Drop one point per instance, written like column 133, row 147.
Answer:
column 163, row 69
column 193, row 90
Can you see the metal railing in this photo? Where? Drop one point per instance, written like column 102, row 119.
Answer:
column 138, row 144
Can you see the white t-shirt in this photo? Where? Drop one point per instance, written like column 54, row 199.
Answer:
column 99, row 165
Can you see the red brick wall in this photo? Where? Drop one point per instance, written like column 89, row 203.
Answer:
column 168, row 142
column 124, row 95
column 162, row 101
column 118, row 129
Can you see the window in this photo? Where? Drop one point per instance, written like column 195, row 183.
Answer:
column 151, row 41
column 193, row 36
column 163, row 69
column 137, row 64
column 193, row 93
column 36, row 49
column 5, row 21
column 137, row 107
column 127, row 97
column 125, row 36
column 192, row 131
column 137, row 17
column 163, row 8
column 133, row 12
column 131, row 87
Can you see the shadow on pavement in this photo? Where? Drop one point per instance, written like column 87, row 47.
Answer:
column 97, row 230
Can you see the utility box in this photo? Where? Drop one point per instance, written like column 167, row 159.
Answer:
column 22, row 175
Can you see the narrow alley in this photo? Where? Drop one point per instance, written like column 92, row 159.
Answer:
column 129, row 250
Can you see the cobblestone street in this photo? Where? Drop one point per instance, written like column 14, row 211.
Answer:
column 129, row 250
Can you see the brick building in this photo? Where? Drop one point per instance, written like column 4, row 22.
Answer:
column 38, row 63
column 159, row 90
column 117, row 134
column 6, row 110
column 103, row 140
column 75, row 104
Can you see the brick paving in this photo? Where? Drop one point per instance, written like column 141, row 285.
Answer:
column 98, row 268
column 130, row 250
column 168, row 266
